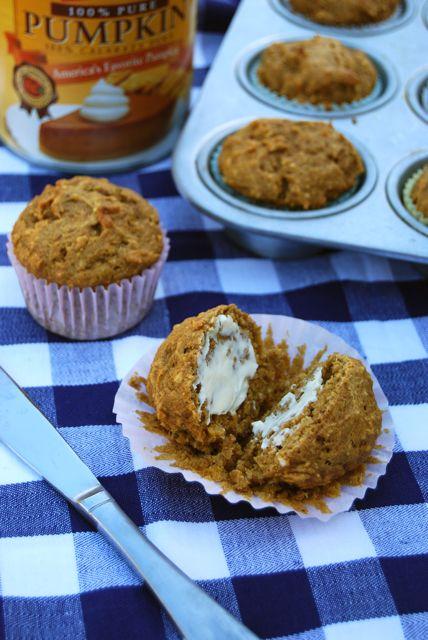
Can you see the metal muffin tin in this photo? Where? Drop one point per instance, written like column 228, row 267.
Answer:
column 417, row 94
column 425, row 13
column 388, row 132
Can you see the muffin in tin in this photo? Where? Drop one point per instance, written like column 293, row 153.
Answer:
column 290, row 165
column 88, row 255
column 323, row 427
column 203, row 381
column 415, row 195
column 320, row 71
column 346, row 12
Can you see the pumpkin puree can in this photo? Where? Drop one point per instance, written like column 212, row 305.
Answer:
column 94, row 85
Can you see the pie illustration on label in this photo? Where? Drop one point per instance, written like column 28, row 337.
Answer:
column 121, row 115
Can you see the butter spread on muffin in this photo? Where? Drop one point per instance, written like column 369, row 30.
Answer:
column 294, row 165
column 415, row 195
column 323, row 427
column 85, row 232
column 275, row 426
column 226, row 364
column 346, row 12
column 318, row 71
column 201, row 381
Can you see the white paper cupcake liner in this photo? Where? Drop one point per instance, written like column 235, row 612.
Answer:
column 89, row 313
column 297, row 332
column 407, row 197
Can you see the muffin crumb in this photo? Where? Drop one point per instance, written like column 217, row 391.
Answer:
column 178, row 390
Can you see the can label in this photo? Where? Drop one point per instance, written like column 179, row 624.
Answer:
column 89, row 81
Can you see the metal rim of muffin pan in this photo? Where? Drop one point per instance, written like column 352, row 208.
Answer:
column 417, row 93
column 206, row 160
column 395, row 182
column 386, row 85
column 403, row 14
column 425, row 14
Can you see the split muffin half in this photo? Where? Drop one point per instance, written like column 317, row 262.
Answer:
column 203, row 380
column 325, row 426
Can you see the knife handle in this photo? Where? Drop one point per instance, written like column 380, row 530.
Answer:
column 197, row 616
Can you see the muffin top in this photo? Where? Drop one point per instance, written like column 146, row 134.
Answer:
column 295, row 165
column 419, row 193
column 319, row 71
column 345, row 12
column 85, row 232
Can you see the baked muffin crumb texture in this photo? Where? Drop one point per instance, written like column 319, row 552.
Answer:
column 189, row 380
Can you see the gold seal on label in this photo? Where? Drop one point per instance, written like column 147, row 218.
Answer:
column 35, row 88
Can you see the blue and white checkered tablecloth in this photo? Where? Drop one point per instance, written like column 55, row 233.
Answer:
column 362, row 576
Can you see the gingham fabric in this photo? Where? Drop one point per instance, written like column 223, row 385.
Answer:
column 362, row 576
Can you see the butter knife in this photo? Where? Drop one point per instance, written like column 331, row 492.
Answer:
column 30, row 435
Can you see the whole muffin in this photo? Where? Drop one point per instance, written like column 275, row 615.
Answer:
column 202, row 381
column 88, row 255
column 295, row 165
column 416, row 195
column 85, row 232
column 319, row 71
column 325, row 426
column 345, row 12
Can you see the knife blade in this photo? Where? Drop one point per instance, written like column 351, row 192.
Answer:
column 28, row 433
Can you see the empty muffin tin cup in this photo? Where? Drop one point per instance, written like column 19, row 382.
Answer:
column 404, row 12
column 417, row 94
column 384, row 89
column 396, row 183
column 209, row 173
